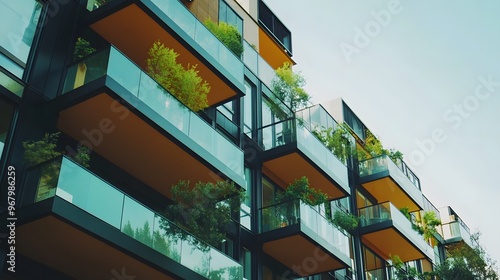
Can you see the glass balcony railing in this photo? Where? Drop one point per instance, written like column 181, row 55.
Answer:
column 456, row 230
column 258, row 65
column 64, row 178
column 384, row 163
column 296, row 212
column 291, row 131
column 196, row 30
column 383, row 212
column 112, row 63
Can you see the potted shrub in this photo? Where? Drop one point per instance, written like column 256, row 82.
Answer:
column 336, row 141
column 298, row 190
column 228, row 34
column 82, row 49
column 203, row 211
column 345, row 221
column 185, row 84
column 36, row 152
column 288, row 89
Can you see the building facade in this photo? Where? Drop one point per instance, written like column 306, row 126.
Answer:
column 65, row 220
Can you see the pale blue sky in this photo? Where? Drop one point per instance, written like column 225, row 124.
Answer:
column 411, row 80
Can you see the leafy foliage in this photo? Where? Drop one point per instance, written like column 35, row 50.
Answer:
column 185, row 84
column 337, row 141
column 403, row 272
column 204, row 211
column 300, row 190
column 82, row 48
column 345, row 220
column 36, row 152
column 427, row 226
column 466, row 262
column 82, row 156
column 228, row 34
column 463, row 263
column 287, row 86
column 373, row 148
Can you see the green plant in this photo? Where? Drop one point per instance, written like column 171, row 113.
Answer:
column 82, row 156
column 36, row 152
column 228, row 34
column 203, row 211
column 185, row 84
column 287, row 87
column 299, row 189
column 337, row 141
column 403, row 272
column 427, row 226
column 345, row 220
column 82, row 49
column 373, row 148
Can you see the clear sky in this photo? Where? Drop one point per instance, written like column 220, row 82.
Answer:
column 424, row 76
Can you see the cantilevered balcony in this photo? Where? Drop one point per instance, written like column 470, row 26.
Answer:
column 456, row 231
column 76, row 211
column 386, row 181
column 385, row 229
column 292, row 151
column 134, row 25
column 293, row 231
column 126, row 117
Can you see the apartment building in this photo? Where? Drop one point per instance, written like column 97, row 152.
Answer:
column 70, row 221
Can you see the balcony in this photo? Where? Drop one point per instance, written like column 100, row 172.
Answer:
column 125, row 116
column 385, row 229
column 293, row 231
column 133, row 25
column 386, row 181
column 275, row 40
column 455, row 232
column 76, row 211
column 292, row 151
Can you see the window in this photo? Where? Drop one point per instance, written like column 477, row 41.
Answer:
column 6, row 112
column 275, row 26
column 246, row 206
column 228, row 15
column 354, row 122
column 247, row 263
column 18, row 23
column 248, row 108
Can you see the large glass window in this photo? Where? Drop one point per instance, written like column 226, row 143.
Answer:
column 18, row 22
column 354, row 122
column 246, row 206
column 248, row 110
column 228, row 15
column 247, row 264
column 275, row 26
column 6, row 112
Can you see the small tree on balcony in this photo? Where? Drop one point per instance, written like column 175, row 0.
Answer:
column 287, row 201
column 337, row 141
column 203, row 211
column 288, row 87
column 228, row 34
column 185, row 84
